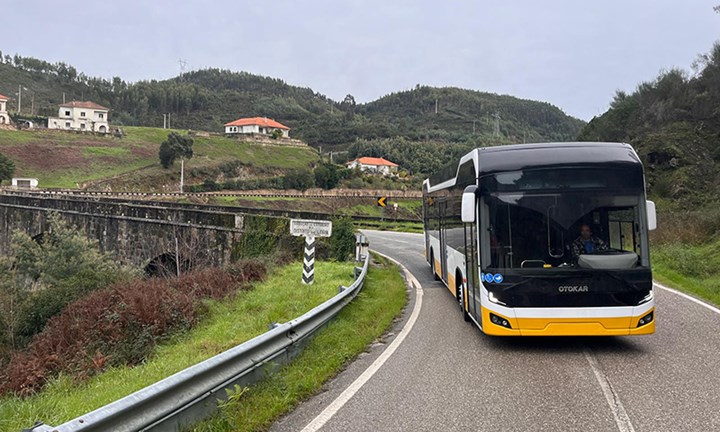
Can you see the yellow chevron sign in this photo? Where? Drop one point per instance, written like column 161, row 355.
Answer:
column 382, row 201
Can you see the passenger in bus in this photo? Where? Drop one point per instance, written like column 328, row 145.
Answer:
column 587, row 242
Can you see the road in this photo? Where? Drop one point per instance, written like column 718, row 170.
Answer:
column 447, row 376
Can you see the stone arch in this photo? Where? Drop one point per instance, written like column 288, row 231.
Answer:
column 2, row 119
column 165, row 265
column 102, row 129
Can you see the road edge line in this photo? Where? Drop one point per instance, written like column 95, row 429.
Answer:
column 321, row 419
column 688, row 297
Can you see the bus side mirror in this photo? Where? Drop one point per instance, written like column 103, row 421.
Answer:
column 651, row 215
column 468, row 204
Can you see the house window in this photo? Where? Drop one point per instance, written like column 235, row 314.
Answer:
column 82, row 113
column 67, row 113
column 82, row 125
column 101, row 115
column 67, row 125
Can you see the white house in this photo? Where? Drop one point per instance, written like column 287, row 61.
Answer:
column 24, row 183
column 373, row 164
column 4, row 117
column 82, row 116
column 255, row 125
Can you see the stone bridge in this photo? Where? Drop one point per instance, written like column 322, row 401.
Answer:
column 149, row 235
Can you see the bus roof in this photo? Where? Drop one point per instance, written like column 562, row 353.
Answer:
column 516, row 157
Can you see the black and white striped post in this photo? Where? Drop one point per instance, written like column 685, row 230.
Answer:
column 308, row 276
column 310, row 229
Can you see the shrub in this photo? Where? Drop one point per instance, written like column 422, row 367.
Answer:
column 120, row 325
column 342, row 241
column 44, row 276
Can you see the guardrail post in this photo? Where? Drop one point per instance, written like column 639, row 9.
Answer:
column 361, row 247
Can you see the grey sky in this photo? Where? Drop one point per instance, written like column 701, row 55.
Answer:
column 571, row 53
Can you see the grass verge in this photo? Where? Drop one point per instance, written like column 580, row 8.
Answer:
column 361, row 322
column 694, row 269
column 228, row 323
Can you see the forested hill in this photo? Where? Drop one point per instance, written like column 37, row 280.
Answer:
column 674, row 124
column 207, row 99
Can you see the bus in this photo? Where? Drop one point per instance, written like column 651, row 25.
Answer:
column 544, row 239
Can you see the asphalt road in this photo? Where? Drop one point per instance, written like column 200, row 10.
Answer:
column 447, row 376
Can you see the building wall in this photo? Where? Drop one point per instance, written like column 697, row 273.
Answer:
column 71, row 118
column 4, row 117
column 254, row 129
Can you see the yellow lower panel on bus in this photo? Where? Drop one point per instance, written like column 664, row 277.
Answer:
column 614, row 326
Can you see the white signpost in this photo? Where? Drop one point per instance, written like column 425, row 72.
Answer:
column 310, row 229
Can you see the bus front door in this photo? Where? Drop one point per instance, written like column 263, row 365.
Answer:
column 442, row 207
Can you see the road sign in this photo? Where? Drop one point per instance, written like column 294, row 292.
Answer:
column 310, row 229
column 382, row 201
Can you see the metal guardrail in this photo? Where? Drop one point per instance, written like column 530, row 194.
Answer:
column 191, row 394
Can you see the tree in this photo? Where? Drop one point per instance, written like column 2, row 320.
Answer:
column 174, row 147
column 327, row 176
column 301, row 179
column 276, row 134
column 7, row 168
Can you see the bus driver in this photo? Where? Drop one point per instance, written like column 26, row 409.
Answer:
column 587, row 242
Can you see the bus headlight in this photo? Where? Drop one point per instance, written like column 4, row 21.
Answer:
column 647, row 319
column 494, row 299
column 499, row 321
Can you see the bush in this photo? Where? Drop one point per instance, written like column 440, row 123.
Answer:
column 43, row 276
column 120, row 325
column 342, row 241
column 300, row 179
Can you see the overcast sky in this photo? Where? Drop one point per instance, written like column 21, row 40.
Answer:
column 573, row 54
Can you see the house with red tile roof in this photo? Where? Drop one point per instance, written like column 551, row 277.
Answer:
column 81, row 116
column 4, row 117
column 373, row 164
column 256, row 125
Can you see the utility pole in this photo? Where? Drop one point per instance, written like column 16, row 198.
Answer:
column 496, row 132
column 164, row 121
column 436, row 105
column 63, row 98
column 19, row 98
column 182, row 174
column 168, row 120
column 473, row 127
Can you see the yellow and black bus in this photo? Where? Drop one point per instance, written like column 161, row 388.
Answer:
column 544, row 239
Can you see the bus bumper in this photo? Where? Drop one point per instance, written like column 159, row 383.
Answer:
column 569, row 326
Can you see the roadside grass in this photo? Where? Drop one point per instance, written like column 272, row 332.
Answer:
column 133, row 159
column 227, row 323
column 364, row 320
column 694, row 269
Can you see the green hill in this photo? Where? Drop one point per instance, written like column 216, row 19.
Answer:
column 206, row 99
column 674, row 124
column 67, row 160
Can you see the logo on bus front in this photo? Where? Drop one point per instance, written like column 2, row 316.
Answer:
column 573, row 288
column 491, row 278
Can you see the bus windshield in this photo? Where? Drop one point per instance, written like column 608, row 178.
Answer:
column 539, row 227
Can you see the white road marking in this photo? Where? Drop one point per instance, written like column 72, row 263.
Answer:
column 616, row 407
column 329, row 411
column 689, row 297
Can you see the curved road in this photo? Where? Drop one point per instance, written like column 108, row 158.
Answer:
column 447, row 376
